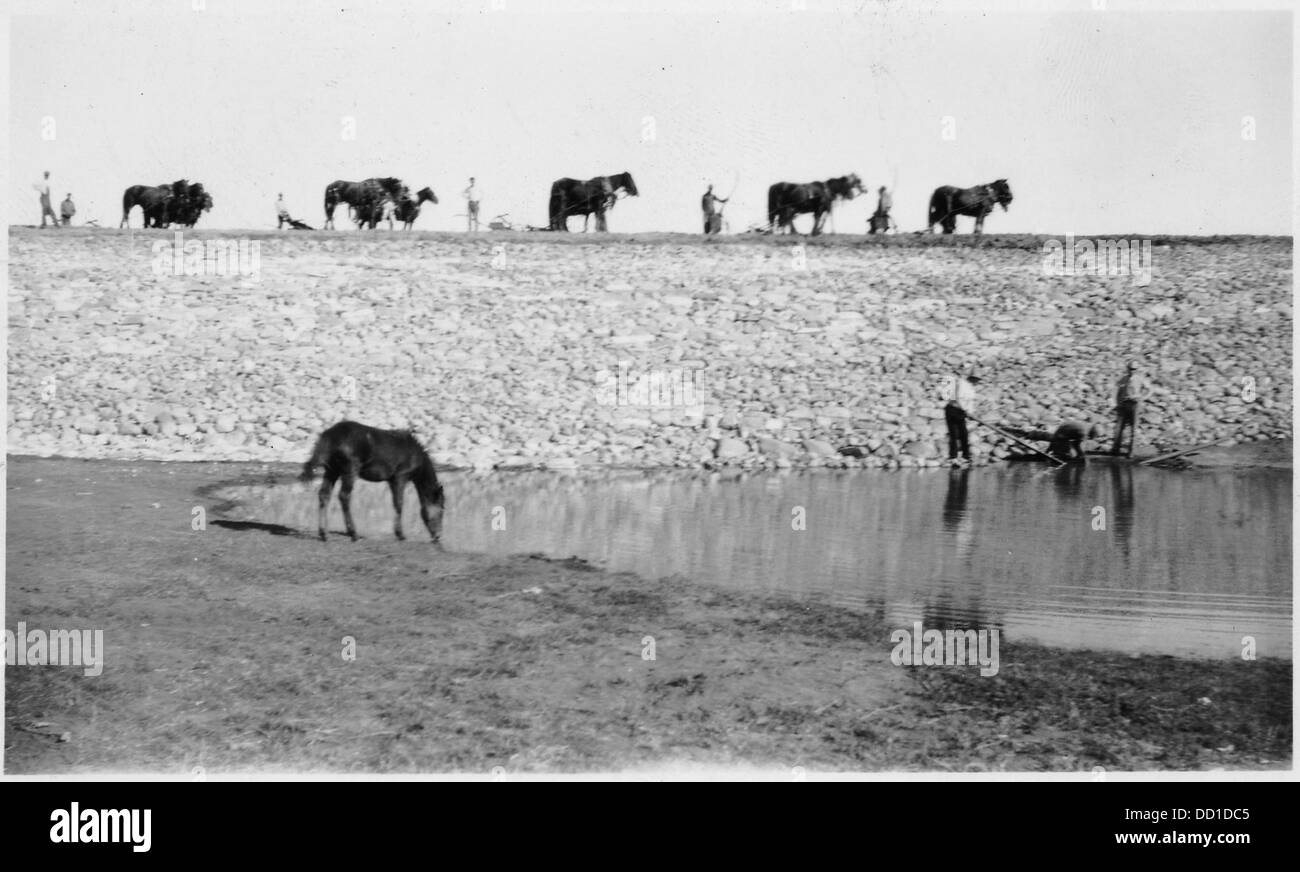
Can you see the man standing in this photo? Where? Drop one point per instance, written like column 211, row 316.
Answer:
column 471, row 206
column 961, row 400
column 282, row 213
column 880, row 220
column 46, row 209
column 712, row 216
column 1129, row 394
column 68, row 209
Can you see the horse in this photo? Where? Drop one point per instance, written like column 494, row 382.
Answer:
column 594, row 196
column 787, row 199
column 408, row 210
column 194, row 203
column 337, row 192
column 152, row 200
column 947, row 202
column 348, row 450
column 377, row 200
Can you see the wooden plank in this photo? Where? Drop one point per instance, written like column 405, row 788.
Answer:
column 1174, row 454
column 1017, row 440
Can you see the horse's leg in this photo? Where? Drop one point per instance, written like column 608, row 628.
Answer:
column 397, row 485
column 345, row 500
column 323, row 497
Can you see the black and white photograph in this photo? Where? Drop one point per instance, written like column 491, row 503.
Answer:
column 786, row 391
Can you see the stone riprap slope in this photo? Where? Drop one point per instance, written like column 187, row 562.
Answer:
column 506, row 350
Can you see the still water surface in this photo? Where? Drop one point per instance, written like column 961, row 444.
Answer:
column 1109, row 557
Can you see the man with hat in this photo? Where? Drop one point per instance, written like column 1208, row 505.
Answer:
column 961, row 400
column 712, row 214
column 879, row 222
column 1129, row 394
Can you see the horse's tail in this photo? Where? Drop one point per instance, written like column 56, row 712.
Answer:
column 555, row 206
column 771, row 206
column 317, row 459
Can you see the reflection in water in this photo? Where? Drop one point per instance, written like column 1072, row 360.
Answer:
column 1205, row 561
column 1121, row 513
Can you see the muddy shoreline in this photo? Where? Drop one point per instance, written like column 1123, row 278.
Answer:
column 224, row 651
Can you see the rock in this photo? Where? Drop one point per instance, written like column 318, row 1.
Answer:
column 819, row 448
column 225, row 423
column 921, row 449
column 728, row 448
column 774, row 447
column 481, row 458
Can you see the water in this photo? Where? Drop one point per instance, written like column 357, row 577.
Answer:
column 1111, row 557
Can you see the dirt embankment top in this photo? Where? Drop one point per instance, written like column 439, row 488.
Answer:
column 650, row 350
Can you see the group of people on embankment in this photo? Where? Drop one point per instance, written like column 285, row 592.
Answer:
column 66, row 209
column 1065, row 443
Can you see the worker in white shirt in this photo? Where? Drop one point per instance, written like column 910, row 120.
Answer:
column 1129, row 394
column 47, row 209
column 471, row 206
column 961, row 400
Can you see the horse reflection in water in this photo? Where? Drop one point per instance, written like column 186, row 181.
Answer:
column 348, row 450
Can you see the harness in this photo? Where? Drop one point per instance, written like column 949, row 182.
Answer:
column 989, row 193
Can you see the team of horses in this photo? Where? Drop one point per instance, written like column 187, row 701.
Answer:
column 593, row 197
column 163, row 205
column 375, row 200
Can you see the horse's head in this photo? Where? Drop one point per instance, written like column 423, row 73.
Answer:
column 394, row 188
column 845, row 187
column 1001, row 193
column 426, row 195
column 624, row 181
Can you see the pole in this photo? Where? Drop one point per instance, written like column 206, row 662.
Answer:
column 1174, row 454
column 1017, row 440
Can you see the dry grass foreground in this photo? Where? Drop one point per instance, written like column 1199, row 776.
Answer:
column 224, row 651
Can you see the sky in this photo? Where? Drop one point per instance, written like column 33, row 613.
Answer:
column 1125, row 119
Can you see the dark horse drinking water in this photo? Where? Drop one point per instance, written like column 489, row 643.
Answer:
column 787, row 199
column 348, row 450
column 947, row 203
column 594, row 196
